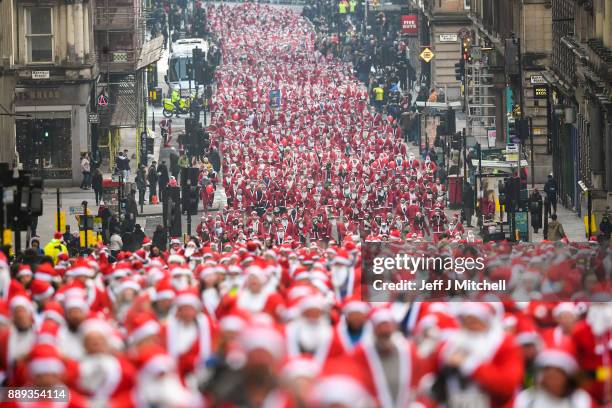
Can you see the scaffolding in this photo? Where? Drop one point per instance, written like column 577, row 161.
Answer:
column 480, row 104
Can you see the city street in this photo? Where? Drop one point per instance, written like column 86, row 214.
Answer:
column 356, row 216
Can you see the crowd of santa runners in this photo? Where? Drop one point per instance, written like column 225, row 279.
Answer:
column 268, row 307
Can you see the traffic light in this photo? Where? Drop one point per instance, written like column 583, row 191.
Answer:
column 460, row 70
column 512, row 130
column 190, row 190
column 522, row 129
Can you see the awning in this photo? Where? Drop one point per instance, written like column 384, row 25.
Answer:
column 151, row 52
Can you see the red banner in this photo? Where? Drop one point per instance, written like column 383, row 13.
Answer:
column 410, row 24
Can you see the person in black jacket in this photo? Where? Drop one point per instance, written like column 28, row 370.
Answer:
column 152, row 179
column 97, row 185
column 468, row 202
column 162, row 178
column 550, row 188
column 535, row 209
column 160, row 238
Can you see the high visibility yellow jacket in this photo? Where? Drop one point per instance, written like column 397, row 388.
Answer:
column 352, row 6
column 342, row 7
column 54, row 248
column 379, row 93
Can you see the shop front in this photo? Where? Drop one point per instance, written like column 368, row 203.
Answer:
column 51, row 130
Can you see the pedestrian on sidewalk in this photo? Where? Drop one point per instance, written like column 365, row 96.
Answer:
column 141, row 183
column 160, row 238
column 555, row 229
column 152, row 179
column 535, row 209
column 86, row 170
column 550, row 188
column 468, row 203
column 162, row 178
column 605, row 228
column 123, row 165
column 97, row 185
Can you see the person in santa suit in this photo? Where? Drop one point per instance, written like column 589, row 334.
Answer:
column 479, row 365
column 97, row 298
column 557, row 383
column 455, row 227
column 257, row 295
column 337, row 228
column 419, row 225
column 412, row 162
column 388, row 360
column 310, row 333
column 76, row 311
column 566, row 317
column 47, row 369
column 158, row 383
column 188, row 333
column 593, row 340
column 353, row 325
column 104, row 373
column 17, row 339
column 345, row 277
column 438, row 223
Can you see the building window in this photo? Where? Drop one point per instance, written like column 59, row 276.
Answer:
column 39, row 34
column 467, row 4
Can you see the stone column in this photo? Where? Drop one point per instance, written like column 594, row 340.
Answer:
column 86, row 28
column 607, row 24
column 70, row 31
column 78, row 30
column 63, row 27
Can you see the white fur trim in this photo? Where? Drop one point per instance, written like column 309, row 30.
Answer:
column 557, row 358
column 150, row 328
column 164, row 294
column 187, row 299
column 46, row 365
column 45, row 294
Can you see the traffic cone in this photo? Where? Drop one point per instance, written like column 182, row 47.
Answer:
column 154, row 200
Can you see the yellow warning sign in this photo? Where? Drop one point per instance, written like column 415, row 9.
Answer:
column 427, row 55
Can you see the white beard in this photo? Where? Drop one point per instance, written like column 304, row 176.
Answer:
column 253, row 302
column 20, row 343
column 99, row 375
column 339, row 275
column 599, row 317
column 165, row 392
column 186, row 335
column 312, row 335
column 478, row 346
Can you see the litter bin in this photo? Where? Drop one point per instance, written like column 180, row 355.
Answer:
column 455, row 191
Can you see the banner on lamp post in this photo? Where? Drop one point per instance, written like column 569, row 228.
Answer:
column 410, row 24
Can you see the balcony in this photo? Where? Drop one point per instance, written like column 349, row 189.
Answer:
column 116, row 60
column 121, row 17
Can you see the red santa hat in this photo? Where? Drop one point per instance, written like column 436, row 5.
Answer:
column 80, row 268
column 41, row 289
column 263, row 338
column 76, row 301
column 381, row 315
column 164, row 290
column 54, row 311
column 45, row 359
column 481, row 310
column 57, row 235
column 47, row 333
column 300, row 367
column 153, row 360
column 46, row 272
column 353, row 304
column 233, row 322
column 141, row 326
column 340, row 390
column 342, row 257
column 559, row 357
column 128, row 283
column 565, row 307
column 188, row 297
column 21, row 300
column 24, row 270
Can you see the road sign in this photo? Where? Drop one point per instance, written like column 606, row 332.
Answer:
column 427, row 55
column 512, row 148
column 93, row 118
column 537, row 79
column 450, row 37
column 102, row 101
column 78, row 210
column 40, row 74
